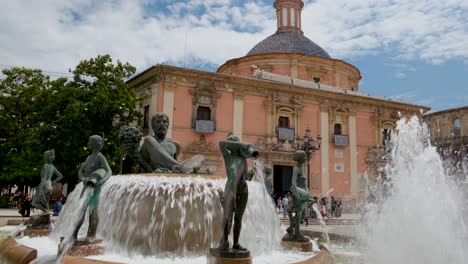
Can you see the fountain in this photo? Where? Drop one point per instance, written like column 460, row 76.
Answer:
column 164, row 217
column 421, row 219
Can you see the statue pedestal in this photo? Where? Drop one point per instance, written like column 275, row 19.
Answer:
column 229, row 256
column 40, row 221
column 84, row 248
column 301, row 246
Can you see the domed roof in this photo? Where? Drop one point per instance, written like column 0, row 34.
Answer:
column 288, row 42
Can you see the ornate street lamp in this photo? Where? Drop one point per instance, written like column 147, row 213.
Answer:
column 310, row 145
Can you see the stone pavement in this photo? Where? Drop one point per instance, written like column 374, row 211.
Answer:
column 10, row 216
column 343, row 228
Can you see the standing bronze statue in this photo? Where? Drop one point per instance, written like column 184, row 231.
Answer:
column 42, row 197
column 300, row 197
column 94, row 172
column 235, row 154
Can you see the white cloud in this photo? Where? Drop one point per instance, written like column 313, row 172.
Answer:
column 432, row 30
column 56, row 34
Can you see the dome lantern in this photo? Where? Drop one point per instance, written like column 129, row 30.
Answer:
column 288, row 14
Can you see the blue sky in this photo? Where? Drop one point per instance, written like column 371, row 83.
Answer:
column 410, row 50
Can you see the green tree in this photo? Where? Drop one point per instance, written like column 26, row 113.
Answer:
column 39, row 114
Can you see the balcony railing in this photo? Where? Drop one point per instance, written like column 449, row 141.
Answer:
column 340, row 140
column 204, row 126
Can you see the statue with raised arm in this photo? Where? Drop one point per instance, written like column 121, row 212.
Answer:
column 94, row 172
column 235, row 196
column 42, row 197
column 300, row 197
column 158, row 153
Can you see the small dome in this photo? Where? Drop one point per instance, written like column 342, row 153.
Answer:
column 288, row 42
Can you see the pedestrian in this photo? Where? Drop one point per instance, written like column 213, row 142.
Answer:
column 57, row 206
column 279, row 204
column 25, row 209
column 338, row 208
column 285, row 205
column 333, row 207
column 16, row 199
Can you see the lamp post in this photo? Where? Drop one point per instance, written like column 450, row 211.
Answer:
column 310, row 145
column 119, row 123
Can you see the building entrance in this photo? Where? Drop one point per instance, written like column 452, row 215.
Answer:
column 282, row 176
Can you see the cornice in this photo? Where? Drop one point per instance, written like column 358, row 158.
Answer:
column 263, row 87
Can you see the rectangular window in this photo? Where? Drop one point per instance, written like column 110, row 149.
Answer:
column 337, row 129
column 203, row 113
column 146, row 117
column 283, row 121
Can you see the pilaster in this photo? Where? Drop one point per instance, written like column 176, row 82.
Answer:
column 353, row 153
column 324, row 149
column 238, row 113
column 168, row 105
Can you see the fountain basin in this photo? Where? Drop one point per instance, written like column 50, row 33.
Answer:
column 13, row 252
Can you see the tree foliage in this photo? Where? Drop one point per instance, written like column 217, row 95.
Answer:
column 37, row 114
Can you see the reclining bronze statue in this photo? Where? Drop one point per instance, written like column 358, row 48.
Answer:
column 157, row 153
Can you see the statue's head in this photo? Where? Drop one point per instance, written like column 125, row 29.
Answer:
column 267, row 170
column 49, row 155
column 160, row 124
column 95, row 142
column 299, row 156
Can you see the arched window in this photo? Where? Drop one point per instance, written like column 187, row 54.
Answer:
column 457, row 128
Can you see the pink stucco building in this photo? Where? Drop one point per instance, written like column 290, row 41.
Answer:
column 284, row 85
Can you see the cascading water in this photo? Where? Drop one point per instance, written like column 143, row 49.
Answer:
column 322, row 223
column 78, row 211
column 421, row 220
column 141, row 215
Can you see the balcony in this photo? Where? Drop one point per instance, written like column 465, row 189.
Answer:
column 204, row 126
column 285, row 133
column 340, row 140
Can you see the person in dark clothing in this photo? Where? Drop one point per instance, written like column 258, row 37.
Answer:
column 333, row 207
column 57, row 206
column 25, row 209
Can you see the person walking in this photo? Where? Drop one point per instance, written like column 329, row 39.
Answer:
column 285, row 205
column 279, row 204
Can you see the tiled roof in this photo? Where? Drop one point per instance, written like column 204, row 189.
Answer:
column 288, row 42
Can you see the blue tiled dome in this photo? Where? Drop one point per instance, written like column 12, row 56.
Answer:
column 288, row 42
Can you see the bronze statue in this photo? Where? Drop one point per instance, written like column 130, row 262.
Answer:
column 158, row 153
column 94, row 172
column 42, row 197
column 300, row 197
column 236, row 192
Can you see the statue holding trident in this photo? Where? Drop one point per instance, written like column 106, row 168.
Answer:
column 236, row 192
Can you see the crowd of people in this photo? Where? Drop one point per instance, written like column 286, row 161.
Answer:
column 23, row 202
column 327, row 209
